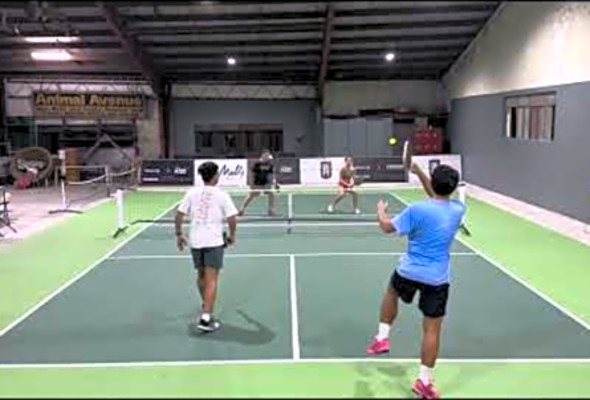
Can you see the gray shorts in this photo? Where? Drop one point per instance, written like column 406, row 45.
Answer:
column 211, row 257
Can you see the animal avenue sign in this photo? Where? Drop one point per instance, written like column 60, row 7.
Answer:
column 88, row 105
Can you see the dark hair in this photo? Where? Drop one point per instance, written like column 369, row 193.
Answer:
column 444, row 180
column 208, row 170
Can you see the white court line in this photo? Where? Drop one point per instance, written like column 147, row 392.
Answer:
column 272, row 255
column 524, row 283
column 294, row 309
column 73, row 280
column 385, row 360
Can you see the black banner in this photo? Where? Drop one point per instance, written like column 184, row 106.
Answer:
column 287, row 171
column 168, row 172
column 379, row 169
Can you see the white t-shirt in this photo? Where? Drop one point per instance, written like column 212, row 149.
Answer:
column 208, row 208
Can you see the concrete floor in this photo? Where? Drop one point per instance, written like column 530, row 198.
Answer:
column 29, row 211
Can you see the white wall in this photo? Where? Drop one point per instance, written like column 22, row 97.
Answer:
column 347, row 98
column 527, row 45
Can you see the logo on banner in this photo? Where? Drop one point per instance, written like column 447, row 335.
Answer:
column 326, row 169
column 237, row 171
column 232, row 172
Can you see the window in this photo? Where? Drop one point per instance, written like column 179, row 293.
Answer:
column 250, row 141
column 230, row 141
column 239, row 139
column 531, row 117
column 203, row 139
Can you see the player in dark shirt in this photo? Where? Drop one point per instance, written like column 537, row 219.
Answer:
column 262, row 183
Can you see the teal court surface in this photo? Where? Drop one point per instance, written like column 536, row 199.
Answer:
column 312, row 294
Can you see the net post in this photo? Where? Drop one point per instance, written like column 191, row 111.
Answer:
column 289, row 211
column 109, row 180
column 120, row 208
column 461, row 190
column 120, row 203
column 64, row 201
column 63, row 193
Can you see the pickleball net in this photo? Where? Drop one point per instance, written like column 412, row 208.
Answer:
column 294, row 208
column 81, row 186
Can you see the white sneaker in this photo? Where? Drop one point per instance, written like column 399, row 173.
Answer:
column 330, row 208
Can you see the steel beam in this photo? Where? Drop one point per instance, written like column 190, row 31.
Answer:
column 329, row 22
column 128, row 43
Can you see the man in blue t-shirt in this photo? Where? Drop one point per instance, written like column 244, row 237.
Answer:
column 430, row 226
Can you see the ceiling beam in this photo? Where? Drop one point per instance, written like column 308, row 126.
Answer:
column 328, row 24
column 130, row 45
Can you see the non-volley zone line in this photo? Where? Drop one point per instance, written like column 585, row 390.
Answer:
column 279, row 361
column 274, row 255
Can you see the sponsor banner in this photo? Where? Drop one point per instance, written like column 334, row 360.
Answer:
column 429, row 162
column 287, row 171
column 316, row 171
column 233, row 172
column 379, row 169
column 88, row 105
column 167, row 172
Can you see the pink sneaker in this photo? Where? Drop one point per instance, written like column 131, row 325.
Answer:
column 378, row 346
column 425, row 391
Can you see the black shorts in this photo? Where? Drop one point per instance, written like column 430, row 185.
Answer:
column 266, row 187
column 433, row 299
column 211, row 257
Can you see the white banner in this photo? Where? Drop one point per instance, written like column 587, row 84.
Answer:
column 232, row 172
column 316, row 171
column 429, row 162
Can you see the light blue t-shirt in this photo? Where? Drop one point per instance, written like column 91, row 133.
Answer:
column 431, row 227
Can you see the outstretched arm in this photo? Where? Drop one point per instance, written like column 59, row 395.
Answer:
column 424, row 179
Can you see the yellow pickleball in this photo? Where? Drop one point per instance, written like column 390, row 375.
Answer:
column 392, row 141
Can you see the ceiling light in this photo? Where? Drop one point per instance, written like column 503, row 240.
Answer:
column 51, row 55
column 52, row 39
column 389, row 57
column 231, row 61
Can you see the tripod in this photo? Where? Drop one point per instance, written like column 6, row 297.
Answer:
column 4, row 216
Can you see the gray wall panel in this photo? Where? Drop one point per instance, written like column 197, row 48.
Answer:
column 553, row 175
column 298, row 117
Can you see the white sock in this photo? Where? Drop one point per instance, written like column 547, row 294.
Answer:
column 383, row 331
column 206, row 317
column 425, row 374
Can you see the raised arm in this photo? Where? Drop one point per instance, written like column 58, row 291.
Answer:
column 424, row 179
column 384, row 220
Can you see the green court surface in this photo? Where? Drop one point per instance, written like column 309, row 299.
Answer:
column 297, row 310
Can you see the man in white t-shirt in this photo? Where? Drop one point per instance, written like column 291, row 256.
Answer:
column 208, row 208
